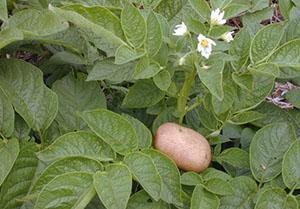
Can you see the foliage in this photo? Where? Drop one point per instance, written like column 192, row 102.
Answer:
column 84, row 85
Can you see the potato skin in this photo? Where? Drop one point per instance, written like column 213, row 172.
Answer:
column 189, row 149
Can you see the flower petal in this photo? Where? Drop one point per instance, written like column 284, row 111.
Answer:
column 201, row 37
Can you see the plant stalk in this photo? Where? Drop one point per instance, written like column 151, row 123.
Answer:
column 184, row 94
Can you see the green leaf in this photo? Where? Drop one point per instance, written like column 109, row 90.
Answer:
column 141, row 200
column 276, row 198
column 145, row 70
column 125, row 54
column 275, row 114
column 167, row 115
column 144, row 171
column 240, row 47
column 259, row 4
column 65, row 57
column 95, row 204
column 235, row 157
column 294, row 13
column 195, row 25
column 52, row 133
column 10, row 35
column 232, row 131
column 252, row 21
column 3, row 11
column 268, row 68
column 107, row 70
column 267, row 149
column 201, row 116
column 212, row 77
column 9, row 151
column 96, row 45
column 211, row 173
column 191, row 179
column 84, row 23
column 66, row 165
column 163, row 80
column 143, row 133
column 170, row 8
column 154, row 37
column 7, row 116
column 134, row 25
column 220, row 3
column 135, row 98
column 23, row 84
column 70, row 38
column 39, row 4
column 202, row 199
column 219, row 186
column 261, row 85
column 222, row 106
column 70, row 190
column 296, row 2
column 293, row 96
column 114, row 186
column 265, row 42
column 165, row 27
column 37, row 22
column 21, row 128
column 290, row 170
column 236, row 8
column 20, row 178
column 244, row 80
column 67, row 146
column 246, row 117
column 288, row 72
column 114, row 129
column 287, row 54
column 246, row 137
column 244, row 191
column 112, row 4
column 277, row 182
column 101, row 16
column 162, row 57
column 169, row 173
column 292, row 30
column 76, row 95
column 218, row 30
column 202, row 8
column 285, row 7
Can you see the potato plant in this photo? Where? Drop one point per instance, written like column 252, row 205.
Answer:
column 86, row 84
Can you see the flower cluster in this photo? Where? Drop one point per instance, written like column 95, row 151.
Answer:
column 205, row 44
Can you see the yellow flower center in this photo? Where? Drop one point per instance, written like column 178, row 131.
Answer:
column 204, row 43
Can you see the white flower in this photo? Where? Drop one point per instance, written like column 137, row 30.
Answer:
column 50, row 7
column 216, row 17
column 227, row 36
column 182, row 60
column 205, row 46
column 180, row 30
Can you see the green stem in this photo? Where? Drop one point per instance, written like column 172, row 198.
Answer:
column 293, row 189
column 195, row 105
column 2, row 136
column 260, row 183
column 184, row 94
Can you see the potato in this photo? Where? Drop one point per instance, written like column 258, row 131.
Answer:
column 189, row 149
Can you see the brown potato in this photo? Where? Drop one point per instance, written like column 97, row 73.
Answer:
column 189, row 149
